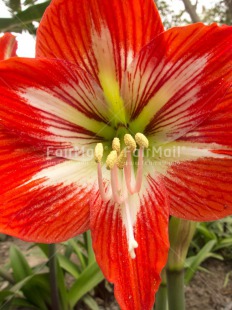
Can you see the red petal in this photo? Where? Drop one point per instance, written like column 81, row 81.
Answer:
column 200, row 189
column 177, row 80
column 217, row 128
column 136, row 280
column 52, row 103
column 8, row 46
column 42, row 199
column 98, row 34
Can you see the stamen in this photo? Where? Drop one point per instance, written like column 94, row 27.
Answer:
column 121, row 161
column 139, row 176
column 141, row 140
column 98, row 152
column 130, row 142
column 122, row 190
column 115, row 185
column 128, row 170
column 105, row 196
column 111, row 160
column 116, row 145
column 132, row 243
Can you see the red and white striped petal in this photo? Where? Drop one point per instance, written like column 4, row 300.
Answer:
column 217, row 128
column 177, row 79
column 102, row 36
column 41, row 199
column 52, row 103
column 135, row 279
column 8, row 46
column 198, row 179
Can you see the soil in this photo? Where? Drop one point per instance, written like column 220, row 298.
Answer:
column 208, row 290
column 211, row 290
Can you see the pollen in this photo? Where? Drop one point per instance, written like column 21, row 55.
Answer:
column 98, row 152
column 116, row 145
column 121, row 160
column 111, row 160
column 141, row 140
column 130, row 142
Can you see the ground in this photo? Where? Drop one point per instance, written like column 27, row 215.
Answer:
column 207, row 290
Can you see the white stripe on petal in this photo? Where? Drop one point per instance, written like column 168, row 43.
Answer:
column 178, row 78
column 69, row 172
column 52, row 106
column 161, row 157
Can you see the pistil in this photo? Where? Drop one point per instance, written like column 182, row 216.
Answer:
column 115, row 186
column 132, row 243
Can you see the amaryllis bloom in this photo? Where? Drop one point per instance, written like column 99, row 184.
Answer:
column 114, row 126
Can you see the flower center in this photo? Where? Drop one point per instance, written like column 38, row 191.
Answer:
column 124, row 183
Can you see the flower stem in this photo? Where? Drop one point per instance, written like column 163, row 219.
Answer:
column 176, row 297
column 161, row 296
column 180, row 235
column 55, row 302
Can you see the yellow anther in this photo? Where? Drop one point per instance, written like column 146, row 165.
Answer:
column 121, row 161
column 111, row 160
column 141, row 140
column 98, row 152
column 116, row 145
column 130, row 142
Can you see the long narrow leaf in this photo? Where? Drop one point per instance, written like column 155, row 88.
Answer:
column 78, row 253
column 90, row 302
column 198, row 259
column 68, row 265
column 62, row 288
column 89, row 278
column 19, row 264
column 91, row 255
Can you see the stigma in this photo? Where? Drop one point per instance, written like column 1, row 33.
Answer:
column 124, row 182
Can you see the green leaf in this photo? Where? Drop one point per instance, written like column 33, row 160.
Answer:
column 90, row 302
column 227, row 279
column 206, row 232
column 68, row 265
column 78, row 252
column 21, row 20
column 224, row 243
column 6, row 275
column 62, row 289
column 68, row 250
column 18, row 286
column 44, row 248
column 19, row 264
column 203, row 254
column 216, row 256
column 88, row 279
column 91, row 255
column 4, row 294
column 14, row 5
column 37, row 291
column 20, row 302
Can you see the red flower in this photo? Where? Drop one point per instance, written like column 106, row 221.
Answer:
column 107, row 69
